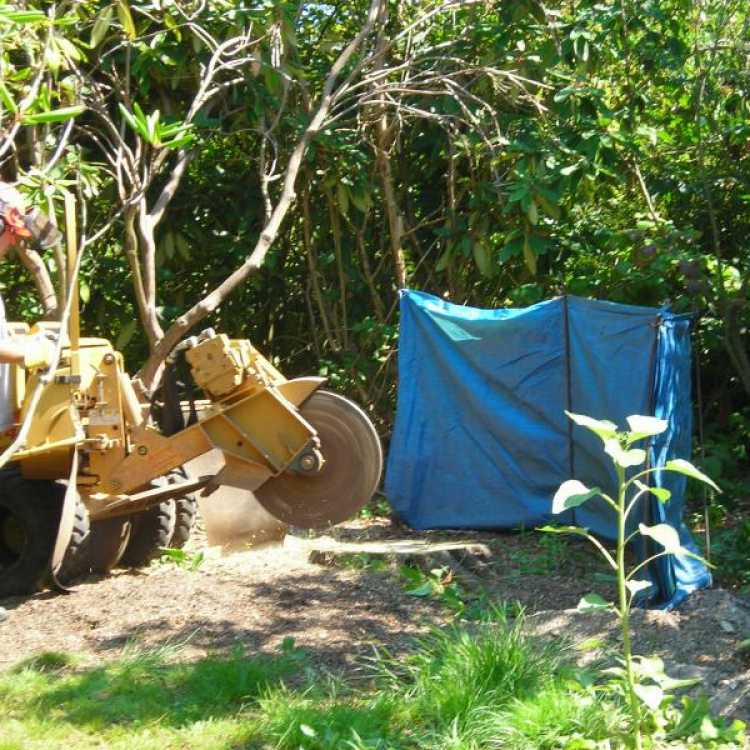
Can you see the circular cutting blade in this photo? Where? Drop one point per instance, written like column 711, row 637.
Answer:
column 349, row 477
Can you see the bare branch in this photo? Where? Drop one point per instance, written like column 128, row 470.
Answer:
column 149, row 373
column 34, row 264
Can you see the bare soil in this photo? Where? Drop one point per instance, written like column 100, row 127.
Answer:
column 338, row 607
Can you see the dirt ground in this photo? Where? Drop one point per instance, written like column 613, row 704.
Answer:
column 339, row 607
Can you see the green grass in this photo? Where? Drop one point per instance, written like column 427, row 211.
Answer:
column 476, row 686
column 143, row 700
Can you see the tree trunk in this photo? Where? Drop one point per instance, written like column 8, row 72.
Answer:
column 150, row 372
column 34, row 264
column 395, row 220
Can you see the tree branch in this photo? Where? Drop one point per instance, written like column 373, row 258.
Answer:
column 150, row 372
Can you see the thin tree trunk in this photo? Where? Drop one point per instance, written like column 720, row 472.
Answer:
column 132, row 253
column 333, row 213
column 395, row 220
column 150, row 372
column 34, row 264
column 312, row 266
column 147, row 251
column 377, row 302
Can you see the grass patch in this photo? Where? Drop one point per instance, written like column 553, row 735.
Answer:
column 455, row 672
column 477, row 686
column 555, row 717
column 141, row 701
column 320, row 721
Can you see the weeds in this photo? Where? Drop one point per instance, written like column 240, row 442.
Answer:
column 552, row 554
column 439, row 583
column 188, row 560
column 377, row 507
column 478, row 686
column 456, row 672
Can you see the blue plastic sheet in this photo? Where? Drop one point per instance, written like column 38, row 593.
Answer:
column 481, row 439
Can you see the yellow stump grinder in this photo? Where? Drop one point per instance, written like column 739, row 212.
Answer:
column 311, row 457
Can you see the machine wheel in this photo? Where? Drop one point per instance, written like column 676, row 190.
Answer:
column 109, row 539
column 152, row 530
column 349, row 478
column 186, row 511
column 76, row 562
column 94, row 547
column 29, row 516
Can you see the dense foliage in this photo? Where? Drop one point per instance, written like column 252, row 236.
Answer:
column 494, row 153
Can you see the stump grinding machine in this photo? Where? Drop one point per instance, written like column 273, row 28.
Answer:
column 311, row 457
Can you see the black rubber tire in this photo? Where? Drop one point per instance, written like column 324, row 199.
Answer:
column 29, row 517
column 186, row 512
column 108, row 541
column 77, row 560
column 152, row 530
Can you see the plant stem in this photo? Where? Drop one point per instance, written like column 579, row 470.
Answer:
column 624, row 607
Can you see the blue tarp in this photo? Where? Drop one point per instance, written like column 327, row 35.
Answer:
column 481, row 439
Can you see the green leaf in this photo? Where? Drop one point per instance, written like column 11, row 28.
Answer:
column 651, row 695
column 54, row 115
column 532, row 212
column 361, row 200
column 635, row 585
column 592, row 603
column 126, row 333
column 529, row 256
column 342, row 198
column 622, row 457
column 549, row 207
column 590, row 644
column 444, row 260
column 152, row 125
column 564, row 530
column 601, row 427
column 101, row 27
column 482, row 258
column 661, row 493
column 421, row 591
column 571, row 494
column 651, row 667
column 128, row 117
column 708, row 730
column 126, row 18
column 183, row 246
column 23, row 16
column 179, row 142
column 7, row 99
column 641, row 427
column 665, row 535
column 685, row 467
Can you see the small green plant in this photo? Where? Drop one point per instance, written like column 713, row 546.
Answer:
column 378, row 507
column 363, row 561
column 439, row 583
column 547, row 556
column 643, row 681
column 189, row 560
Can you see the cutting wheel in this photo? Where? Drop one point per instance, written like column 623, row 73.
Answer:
column 350, row 476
